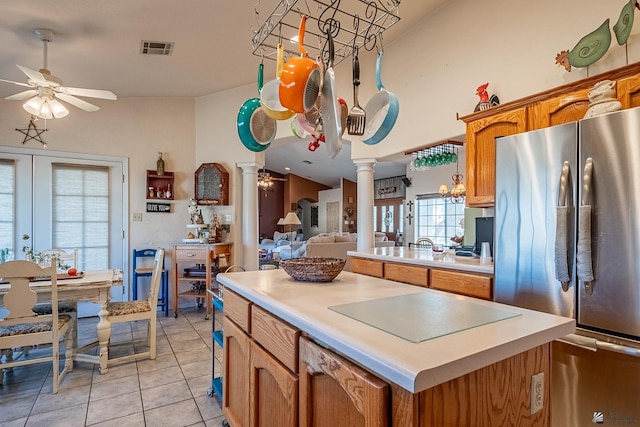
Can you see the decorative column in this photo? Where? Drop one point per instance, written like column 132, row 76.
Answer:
column 364, row 168
column 250, row 214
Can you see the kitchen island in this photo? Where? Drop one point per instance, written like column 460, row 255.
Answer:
column 451, row 366
column 421, row 267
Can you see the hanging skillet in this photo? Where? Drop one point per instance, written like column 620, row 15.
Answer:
column 300, row 78
column 331, row 125
column 382, row 111
column 255, row 129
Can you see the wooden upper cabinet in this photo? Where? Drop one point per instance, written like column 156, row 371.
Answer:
column 629, row 91
column 561, row 109
column 481, row 153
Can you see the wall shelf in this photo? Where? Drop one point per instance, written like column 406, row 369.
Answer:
column 159, row 183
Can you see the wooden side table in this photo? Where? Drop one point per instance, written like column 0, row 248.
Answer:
column 197, row 263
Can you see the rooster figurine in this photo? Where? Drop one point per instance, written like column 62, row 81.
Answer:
column 485, row 100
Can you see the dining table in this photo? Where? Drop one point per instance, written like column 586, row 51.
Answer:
column 87, row 286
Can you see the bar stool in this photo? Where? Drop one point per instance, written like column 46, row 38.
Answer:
column 144, row 271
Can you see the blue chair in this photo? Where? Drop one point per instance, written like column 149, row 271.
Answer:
column 147, row 271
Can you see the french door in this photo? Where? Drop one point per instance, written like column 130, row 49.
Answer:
column 66, row 201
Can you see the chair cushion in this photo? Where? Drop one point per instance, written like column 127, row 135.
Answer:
column 127, row 307
column 45, row 308
column 31, row 328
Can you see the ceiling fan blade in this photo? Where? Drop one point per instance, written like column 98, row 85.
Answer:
column 91, row 93
column 34, row 75
column 15, row 83
column 77, row 102
column 22, row 95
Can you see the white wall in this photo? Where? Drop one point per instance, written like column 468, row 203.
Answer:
column 136, row 128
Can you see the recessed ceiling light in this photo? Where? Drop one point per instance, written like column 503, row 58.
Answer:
column 294, row 39
column 287, row 168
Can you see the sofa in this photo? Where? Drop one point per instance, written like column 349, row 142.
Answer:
column 337, row 245
column 279, row 239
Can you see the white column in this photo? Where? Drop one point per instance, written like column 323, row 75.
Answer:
column 250, row 214
column 364, row 169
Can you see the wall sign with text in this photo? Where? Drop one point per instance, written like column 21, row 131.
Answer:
column 159, row 207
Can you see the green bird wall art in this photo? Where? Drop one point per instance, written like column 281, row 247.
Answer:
column 594, row 45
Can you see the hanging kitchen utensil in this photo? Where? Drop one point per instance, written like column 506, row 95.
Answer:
column 270, row 93
column 331, row 127
column 255, row 129
column 310, row 120
column 357, row 118
column 382, row 111
column 300, row 78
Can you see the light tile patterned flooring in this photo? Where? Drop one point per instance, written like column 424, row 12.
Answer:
column 168, row 391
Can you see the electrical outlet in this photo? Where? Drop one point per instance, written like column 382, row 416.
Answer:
column 137, row 216
column 537, row 392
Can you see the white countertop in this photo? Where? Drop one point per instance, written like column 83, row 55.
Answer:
column 425, row 258
column 413, row 366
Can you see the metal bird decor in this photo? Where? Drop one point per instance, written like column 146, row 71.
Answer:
column 594, row 45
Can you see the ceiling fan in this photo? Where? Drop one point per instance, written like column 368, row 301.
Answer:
column 265, row 180
column 46, row 89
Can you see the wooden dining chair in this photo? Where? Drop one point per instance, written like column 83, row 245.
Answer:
column 139, row 270
column 23, row 328
column 130, row 311
column 67, row 260
column 424, row 242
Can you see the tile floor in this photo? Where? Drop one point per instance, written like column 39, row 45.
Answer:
column 168, row 391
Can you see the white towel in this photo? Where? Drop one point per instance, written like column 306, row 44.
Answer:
column 561, row 258
column 584, row 265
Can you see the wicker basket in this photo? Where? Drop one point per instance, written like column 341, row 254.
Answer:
column 313, row 269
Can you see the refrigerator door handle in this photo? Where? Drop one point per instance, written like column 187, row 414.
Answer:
column 562, row 211
column 583, row 256
column 593, row 344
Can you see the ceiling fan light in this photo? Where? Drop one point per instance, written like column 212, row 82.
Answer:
column 34, row 106
column 59, row 111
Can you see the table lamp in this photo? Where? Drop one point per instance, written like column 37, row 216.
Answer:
column 291, row 219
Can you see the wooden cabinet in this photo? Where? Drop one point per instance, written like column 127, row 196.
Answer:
column 159, row 187
column 260, row 366
column 334, row 391
column 471, row 284
column 194, row 268
column 481, row 153
column 565, row 108
column 559, row 105
column 273, row 392
column 235, row 379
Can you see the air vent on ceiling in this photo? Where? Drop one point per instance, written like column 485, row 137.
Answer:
column 307, row 162
column 156, row 48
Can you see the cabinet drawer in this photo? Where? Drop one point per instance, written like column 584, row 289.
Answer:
column 276, row 336
column 406, row 273
column 196, row 255
column 237, row 309
column 462, row 283
column 367, row 266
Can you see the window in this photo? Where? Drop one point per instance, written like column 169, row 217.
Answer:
column 438, row 218
column 81, row 213
column 7, row 208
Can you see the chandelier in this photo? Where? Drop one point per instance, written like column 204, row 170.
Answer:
column 458, row 190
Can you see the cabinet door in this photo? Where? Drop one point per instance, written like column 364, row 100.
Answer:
column 367, row 266
column 274, row 391
column 481, row 153
column 569, row 107
column 629, row 92
column 334, row 391
column 235, row 380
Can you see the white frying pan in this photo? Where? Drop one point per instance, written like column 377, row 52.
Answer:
column 382, row 111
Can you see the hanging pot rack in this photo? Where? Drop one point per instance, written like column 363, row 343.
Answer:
column 353, row 24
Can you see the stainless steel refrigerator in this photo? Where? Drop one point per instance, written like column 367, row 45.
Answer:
column 567, row 242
